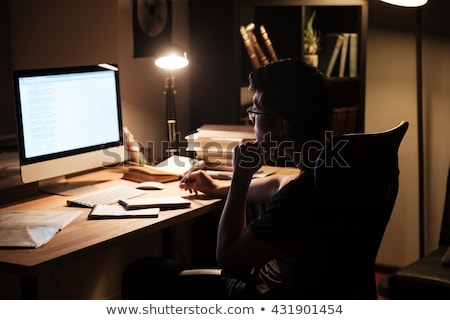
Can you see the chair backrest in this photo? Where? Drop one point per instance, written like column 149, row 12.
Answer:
column 356, row 182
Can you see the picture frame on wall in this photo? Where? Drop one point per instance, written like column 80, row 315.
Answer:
column 152, row 26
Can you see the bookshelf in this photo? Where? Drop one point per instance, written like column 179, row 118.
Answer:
column 285, row 22
column 216, row 38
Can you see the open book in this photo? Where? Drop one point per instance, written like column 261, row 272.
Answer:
column 171, row 169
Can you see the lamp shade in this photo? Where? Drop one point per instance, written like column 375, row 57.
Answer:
column 406, row 3
column 171, row 57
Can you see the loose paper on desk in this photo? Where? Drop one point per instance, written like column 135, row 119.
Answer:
column 32, row 228
column 175, row 165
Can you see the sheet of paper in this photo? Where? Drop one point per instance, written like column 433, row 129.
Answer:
column 32, row 228
column 175, row 165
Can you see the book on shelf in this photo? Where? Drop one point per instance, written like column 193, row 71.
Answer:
column 255, row 52
column 258, row 50
column 331, row 44
column 344, row 54
column 351, row 119
column 338, row 121
column 268, row 43
column 249, row 47
column 353, row 54
column 344, row 120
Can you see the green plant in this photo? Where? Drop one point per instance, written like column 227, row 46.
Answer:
column 311, row 38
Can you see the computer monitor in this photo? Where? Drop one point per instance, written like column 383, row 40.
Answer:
column 69, row 120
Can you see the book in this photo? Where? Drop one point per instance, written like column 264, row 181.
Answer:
column 249, row 47
column 212, row 145
column 259, row 52
column 351, row 119
column 328, row 54
column 338, row 120
column 344, row 120
column 344, row 53
column 268, row 43
column 171, row 169
column 163, row 203
column 226, row 131
column 353, row 55
column 101, row 211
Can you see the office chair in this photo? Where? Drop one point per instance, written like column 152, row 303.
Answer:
column 356, row 182
column 429, row 276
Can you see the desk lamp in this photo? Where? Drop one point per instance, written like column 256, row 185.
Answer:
column 418, row 3
column 171, row 57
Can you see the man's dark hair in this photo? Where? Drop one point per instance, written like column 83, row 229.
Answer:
column 296, row 91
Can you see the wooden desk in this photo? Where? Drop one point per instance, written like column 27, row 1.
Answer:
column 84, row 236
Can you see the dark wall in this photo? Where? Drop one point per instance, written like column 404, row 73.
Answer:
column 215, row 93
column 7, row 118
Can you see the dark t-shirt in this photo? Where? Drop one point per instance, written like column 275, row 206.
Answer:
column 287, row 224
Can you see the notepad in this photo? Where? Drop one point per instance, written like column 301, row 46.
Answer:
column 164, row 203
column 101, row 211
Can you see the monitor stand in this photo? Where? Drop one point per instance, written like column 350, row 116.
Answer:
column 61, row 186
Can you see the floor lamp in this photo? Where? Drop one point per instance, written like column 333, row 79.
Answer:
column 171, row 57
column 418, row 4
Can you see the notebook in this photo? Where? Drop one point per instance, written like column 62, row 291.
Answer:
column 101, row 211
column 164, row 203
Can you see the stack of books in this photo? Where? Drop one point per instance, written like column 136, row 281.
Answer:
column 344, row 120
column 214, row 144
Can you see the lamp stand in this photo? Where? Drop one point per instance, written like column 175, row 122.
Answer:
column 171, row 118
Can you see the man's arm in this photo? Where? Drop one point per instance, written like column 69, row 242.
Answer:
column 260, row 190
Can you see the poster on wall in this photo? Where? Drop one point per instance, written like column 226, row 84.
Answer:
column 152, row 26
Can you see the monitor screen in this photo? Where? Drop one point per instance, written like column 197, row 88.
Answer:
column 69, row 120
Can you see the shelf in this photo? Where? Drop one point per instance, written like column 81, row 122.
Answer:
column 284, row 21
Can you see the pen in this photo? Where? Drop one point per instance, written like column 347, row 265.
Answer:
column 196, row 164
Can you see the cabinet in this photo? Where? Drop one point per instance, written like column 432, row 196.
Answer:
column 225, row 63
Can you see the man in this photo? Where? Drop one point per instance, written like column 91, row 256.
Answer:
column 290, row 112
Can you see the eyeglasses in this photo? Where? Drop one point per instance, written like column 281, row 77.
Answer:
column 252, row 113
